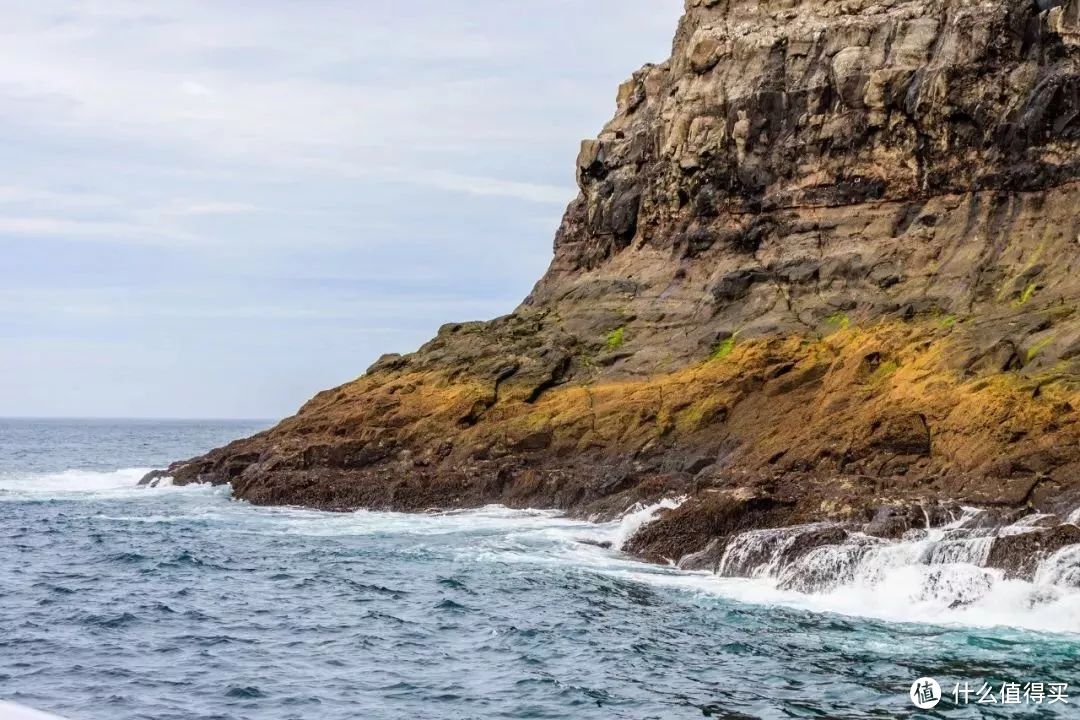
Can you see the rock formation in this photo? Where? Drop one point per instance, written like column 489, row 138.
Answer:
column 824, row 261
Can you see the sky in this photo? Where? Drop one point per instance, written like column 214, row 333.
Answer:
column 215, row 209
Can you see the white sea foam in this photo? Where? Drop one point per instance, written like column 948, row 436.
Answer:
column 935, row 576
column 88, row 484
column 900, row 598
column 932, row 576
column 639, row 516
column 760, row 553
column 71, row 481
column 1032, row 520
column 1061, row 569
column 485, row 520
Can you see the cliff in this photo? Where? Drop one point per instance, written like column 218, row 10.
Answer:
column 823, row 265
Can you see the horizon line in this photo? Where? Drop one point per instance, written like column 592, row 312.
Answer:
column 138, row 418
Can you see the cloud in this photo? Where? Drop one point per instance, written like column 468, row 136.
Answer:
column 100, row 217
column 238, row 203
column 339, row 84
column 15, row 195
column 81, row 229
column 190, row 87
column 495, row 187
column 181, row 208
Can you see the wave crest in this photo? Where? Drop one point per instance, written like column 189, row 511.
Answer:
column 83, row 484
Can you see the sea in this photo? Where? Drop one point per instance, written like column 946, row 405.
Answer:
column 177, row 603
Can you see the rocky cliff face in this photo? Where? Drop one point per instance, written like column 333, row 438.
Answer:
column 823, row 262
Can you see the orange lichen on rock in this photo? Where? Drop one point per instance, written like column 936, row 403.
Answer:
column 823, row 265
column 831, row 426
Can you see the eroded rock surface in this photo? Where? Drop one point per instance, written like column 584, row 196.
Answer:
column 824, row 260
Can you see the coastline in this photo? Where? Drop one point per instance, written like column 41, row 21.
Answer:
column 273, row 603
column 820, row 269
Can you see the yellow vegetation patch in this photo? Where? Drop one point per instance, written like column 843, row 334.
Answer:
column 793, row 396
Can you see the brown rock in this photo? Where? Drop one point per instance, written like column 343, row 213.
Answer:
column 1019, row 555
column 843, row 268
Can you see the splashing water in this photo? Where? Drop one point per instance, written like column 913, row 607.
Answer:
column 638, row 517
column 761, row 553
column 177, row 603
column 1062, row 569
column 29, row 485
column 937, row 575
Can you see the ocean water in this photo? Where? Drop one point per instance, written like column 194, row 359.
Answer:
column 176, row 603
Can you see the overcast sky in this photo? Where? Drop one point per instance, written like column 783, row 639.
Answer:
column 215, row 209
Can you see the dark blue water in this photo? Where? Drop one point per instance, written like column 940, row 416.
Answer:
column 118, row 603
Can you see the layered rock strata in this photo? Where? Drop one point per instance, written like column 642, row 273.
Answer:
column 824, row 261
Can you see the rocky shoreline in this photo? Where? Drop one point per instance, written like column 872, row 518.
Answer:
column 822, row 269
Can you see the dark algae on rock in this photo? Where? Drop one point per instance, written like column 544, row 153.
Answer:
column 823, row 267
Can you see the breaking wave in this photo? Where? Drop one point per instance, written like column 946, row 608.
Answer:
column 86, row 484
column 938, row 576
column 288, row 611
column 638, row 517
column 934, row 576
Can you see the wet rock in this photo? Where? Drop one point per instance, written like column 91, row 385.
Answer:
column 889, row 522
column 153, row 478
column 692, row 526
column 706, row 559
column 767, row 552
column 830, row 248
column 893, row 521
column 1019, row 555
column 805, row 542
column 603, row 544
column 825, row 568
column 1038, row 520
column 985, row 518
